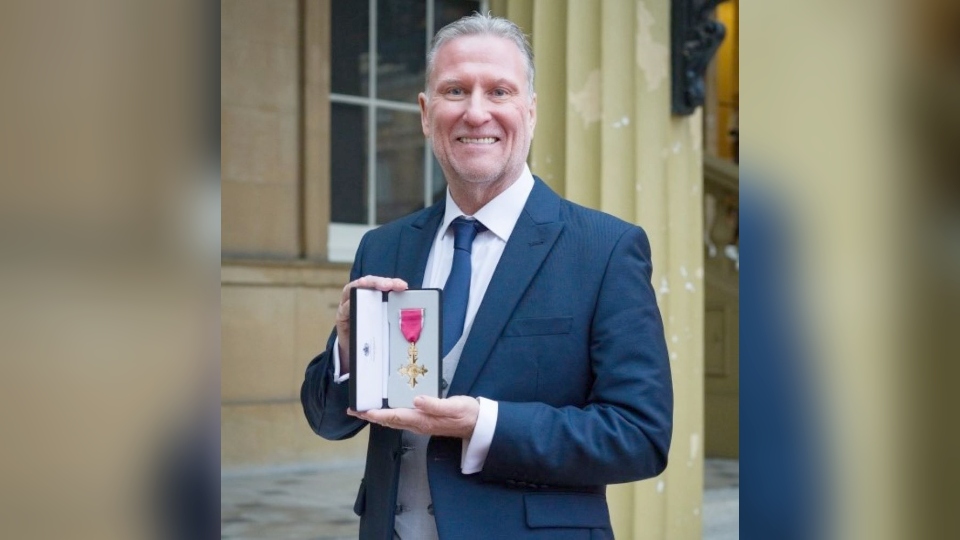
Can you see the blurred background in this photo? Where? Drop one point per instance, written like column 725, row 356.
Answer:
column 113, row 189
column 109, row 231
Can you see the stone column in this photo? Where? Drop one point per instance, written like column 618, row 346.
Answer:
column 606, row 139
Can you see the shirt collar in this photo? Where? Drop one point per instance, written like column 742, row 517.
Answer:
column 500, row 214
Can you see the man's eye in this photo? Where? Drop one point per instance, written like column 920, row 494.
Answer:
column 455, row 91
column 500, row 92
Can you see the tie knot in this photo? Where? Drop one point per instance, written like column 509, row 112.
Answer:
column 464, row 231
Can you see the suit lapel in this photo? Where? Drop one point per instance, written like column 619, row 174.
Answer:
column 416, row 240
column 537, row 229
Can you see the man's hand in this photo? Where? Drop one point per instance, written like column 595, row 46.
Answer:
column 450, row 417
column 343, row 312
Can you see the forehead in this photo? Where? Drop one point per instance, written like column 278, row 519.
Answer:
column 480, row 53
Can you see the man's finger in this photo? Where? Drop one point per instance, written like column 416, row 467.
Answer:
column 374, row 282
column 343, row 311
column 366, row 282
column 385, row 284
column 345, row 295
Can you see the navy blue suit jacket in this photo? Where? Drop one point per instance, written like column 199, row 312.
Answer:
column 569, row 341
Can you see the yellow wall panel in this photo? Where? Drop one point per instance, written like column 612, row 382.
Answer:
column 258, row 146
column 259, row 96
column 274, row 21
column 277, row 433
column 258, row 332
column 258, row 219
column 315, row 311
column 258, row 74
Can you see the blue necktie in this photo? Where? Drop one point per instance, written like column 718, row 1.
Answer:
column 456, row 292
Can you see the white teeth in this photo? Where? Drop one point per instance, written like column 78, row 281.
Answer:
column 484, row 140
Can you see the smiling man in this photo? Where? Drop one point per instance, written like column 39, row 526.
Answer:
column 479, row 112
column 557, row 381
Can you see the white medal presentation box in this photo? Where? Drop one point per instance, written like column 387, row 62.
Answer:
column 394, row 347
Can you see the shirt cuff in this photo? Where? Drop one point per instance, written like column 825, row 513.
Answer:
column 475, row 449
column 336, row 363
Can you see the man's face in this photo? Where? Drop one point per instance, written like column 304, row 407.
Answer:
column 480, row 114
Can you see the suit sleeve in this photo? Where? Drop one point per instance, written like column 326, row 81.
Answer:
column 623, row 431
column 324, row 401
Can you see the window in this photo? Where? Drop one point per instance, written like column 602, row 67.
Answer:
column 380, row 165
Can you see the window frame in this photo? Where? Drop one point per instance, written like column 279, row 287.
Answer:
column 344, row 238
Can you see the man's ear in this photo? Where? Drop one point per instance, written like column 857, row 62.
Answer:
column 533, row 113
column 424, row 121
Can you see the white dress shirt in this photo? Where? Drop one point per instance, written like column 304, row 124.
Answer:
column 499, row 216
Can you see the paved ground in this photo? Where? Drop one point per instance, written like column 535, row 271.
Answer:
column 317, row 504
column 721, row 499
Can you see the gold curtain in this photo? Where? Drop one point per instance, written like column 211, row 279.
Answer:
column 605, row 138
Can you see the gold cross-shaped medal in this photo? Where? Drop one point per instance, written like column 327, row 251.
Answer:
column 413, row 369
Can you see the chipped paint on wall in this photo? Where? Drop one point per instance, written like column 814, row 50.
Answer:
column 696, row 134
column 653, row 58
column 586, row 102
column 664, row 287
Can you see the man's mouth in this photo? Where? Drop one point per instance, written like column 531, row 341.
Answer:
column 478, row 140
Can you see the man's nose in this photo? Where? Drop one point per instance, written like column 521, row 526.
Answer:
column 477, row 109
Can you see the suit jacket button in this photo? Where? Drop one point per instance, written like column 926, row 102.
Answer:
column 430, row 509
column 399, row 509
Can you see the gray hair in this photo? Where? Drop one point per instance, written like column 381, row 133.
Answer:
column 481, row 24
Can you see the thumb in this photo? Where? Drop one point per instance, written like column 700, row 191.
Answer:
column 428, row 404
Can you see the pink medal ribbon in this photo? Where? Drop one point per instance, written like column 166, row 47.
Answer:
column 411, row 324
